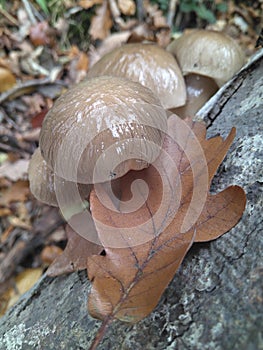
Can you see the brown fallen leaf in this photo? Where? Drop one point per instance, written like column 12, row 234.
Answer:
column 163, row 37
column 78, row 65
column 5, row 212
column 18, row 192
column 37, row 119
column 74, row 256
column 110, row 43
column 144, row 247
column 7, row 79
column 155, row 14
column 42, row 34
column 101, row 23
column 50, row 253
column 86, row 4
column 127, row 7
column 6, row 233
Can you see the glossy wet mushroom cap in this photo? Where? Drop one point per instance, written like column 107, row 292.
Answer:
column 102, row 128
column 209, row 53
column 148, row 64
column 42, row 181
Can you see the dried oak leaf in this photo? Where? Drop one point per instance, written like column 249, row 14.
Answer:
column 101, row 23
column 144, row 247
column 75, row 255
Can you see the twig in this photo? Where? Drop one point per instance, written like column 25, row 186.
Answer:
column 7, row 148
column 9, row 140
column 3, row 115
column 27, row 87
column 100, row 333
column 116, row 14
column 171, row 12
column 114, row 9
column 10, row 18
column 29, row 12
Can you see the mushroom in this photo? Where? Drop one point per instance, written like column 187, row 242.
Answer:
column 148, row 64
column 209, row 53
column 199, row 89
column 43, row 184
column 205, row 53
column 102, row 128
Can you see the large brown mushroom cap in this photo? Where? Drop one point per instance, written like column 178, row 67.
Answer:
column 148, row 64
column 102, row 128
column 42, row 181
column 209, row 53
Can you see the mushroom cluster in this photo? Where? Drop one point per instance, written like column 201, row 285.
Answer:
column 115, row 121
column 185, row 75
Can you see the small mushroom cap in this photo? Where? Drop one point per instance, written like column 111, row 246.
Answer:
column 148, row 64
column 210, row 53
column 42, row 181
column 102, row 128
column 199, row 89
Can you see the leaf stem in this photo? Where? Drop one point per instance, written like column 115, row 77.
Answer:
column 100, row 333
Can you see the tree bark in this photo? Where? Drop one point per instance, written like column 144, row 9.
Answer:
column 215, row 299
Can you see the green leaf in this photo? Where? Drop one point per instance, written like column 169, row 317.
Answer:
column 187, row 7
column 43, row 5
column 163, row 4
column 222, row 7
column 204, row 13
